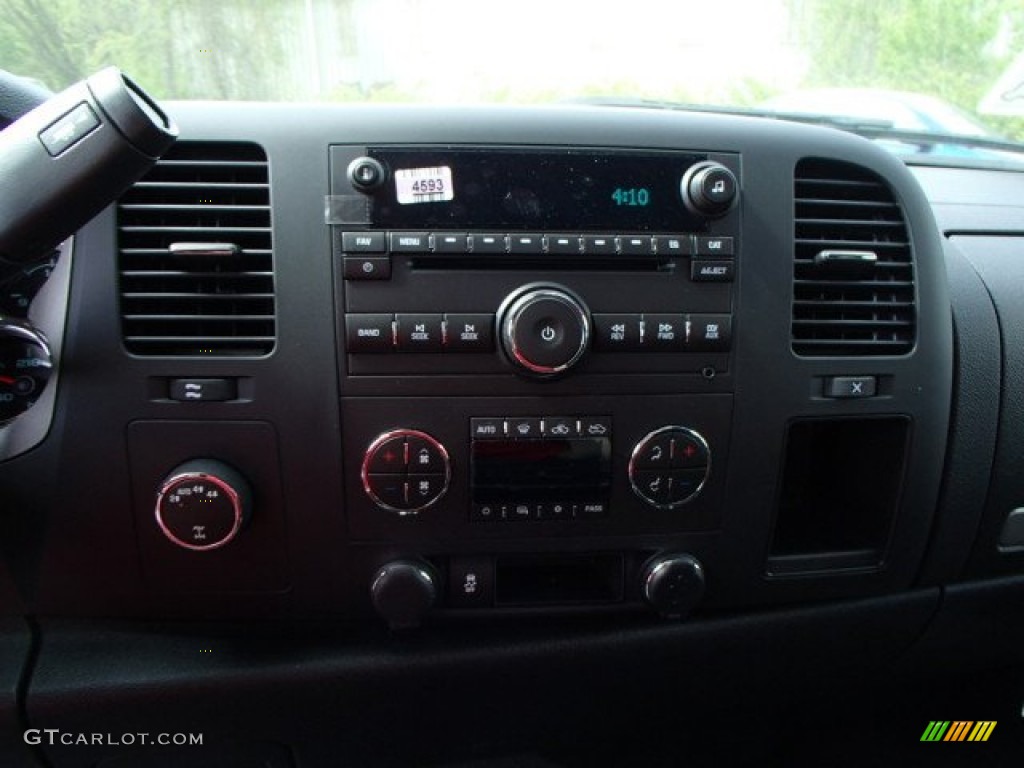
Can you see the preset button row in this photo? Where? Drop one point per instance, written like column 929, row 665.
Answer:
column 536, row 243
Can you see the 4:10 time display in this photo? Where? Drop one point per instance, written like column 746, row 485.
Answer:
column 631, row 197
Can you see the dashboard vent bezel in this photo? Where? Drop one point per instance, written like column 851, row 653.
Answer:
column 188, row 303
column 850, row 309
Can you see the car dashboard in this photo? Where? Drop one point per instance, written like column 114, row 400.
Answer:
column 388, row 435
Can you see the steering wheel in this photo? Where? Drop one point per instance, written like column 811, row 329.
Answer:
column 18, row 95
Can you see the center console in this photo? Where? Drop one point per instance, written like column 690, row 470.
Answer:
column 535, row 347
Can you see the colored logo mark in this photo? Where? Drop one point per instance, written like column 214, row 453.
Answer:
column 958, row 730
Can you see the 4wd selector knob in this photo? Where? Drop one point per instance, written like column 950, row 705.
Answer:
column 545, row 330
column 203, row 504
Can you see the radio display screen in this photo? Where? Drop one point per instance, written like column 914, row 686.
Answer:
column 545, row 190
column 570, row 468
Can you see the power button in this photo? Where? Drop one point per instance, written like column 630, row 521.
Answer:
column 545, row 330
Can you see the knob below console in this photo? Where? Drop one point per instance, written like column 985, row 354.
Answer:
column 709, row 189
column 203, row 505
column 405, row 471
column 673, row 584
column 669, row 466
column 545, row 330
column 403, row 592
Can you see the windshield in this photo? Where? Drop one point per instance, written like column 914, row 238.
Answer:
column 921, row 66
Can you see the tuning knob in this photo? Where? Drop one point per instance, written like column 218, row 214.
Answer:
column 403, row 592
column 709, row 189
column 545, row 330
column 673, row 584
column 203, row 505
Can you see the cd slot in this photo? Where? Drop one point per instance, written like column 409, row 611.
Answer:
column 546, row 263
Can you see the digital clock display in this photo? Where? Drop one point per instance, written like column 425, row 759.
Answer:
column 537, row 189
column 632, row 196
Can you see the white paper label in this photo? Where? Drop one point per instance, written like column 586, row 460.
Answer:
column 424, row 185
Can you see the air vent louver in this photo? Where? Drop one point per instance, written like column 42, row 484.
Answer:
column 196, row 258
column 854, row 269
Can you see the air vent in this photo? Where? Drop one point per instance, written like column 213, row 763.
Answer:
column 854, row 269
column 196, row 259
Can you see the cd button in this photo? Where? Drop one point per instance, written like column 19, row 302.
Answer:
column 599, row 244
column 664, row 333
column 617, row 333
column 419, row 333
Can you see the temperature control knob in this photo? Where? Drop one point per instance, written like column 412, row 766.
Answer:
column 545, row 330
column 673, row 584
column 25, row 367
column 203, row 505
column 709, row 189
column 669, row 466
column 405, row 471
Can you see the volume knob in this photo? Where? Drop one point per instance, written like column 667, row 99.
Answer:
column 545, row 330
